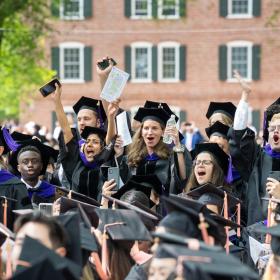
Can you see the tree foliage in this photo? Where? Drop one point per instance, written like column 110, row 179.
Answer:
column 23, row 68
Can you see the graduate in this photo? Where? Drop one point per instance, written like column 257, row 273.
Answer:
column 81, row 161
column 10, row 187
column 149, row 155
column 31, row 160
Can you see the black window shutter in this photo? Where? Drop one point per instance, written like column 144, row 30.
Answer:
column 55, row 60
column 127, row 60
column 88, row 63
column 182, row 61
column 256, row 118
column 223, row 62
column 127, row 8
column 88, row 8
column 182, row 7
column 54, row 119
column 256, row 8
column 154, row 63
column 256, row 52
column 223, row 8
column 155, row 8
column 183, row 116
column 55, row 8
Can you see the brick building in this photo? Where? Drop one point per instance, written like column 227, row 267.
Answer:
column 177, row 51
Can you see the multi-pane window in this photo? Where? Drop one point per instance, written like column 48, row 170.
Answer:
column 141, row 8
column 71, row 9
column 240, row 8
column 141, row 62
column 168, row 60
column 72, row 61
column 168, row 8
column 240, row 59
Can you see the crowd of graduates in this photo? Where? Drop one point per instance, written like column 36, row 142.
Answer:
column 208, row 213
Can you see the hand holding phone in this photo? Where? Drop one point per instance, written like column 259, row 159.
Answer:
column 46, row 209
column 114, row 173
column 49, row 88
column 105, row 63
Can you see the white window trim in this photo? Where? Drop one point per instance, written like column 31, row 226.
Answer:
column 247, row 44
column 79, row 17
column 240, row 16
column 67, row 45
column 149, row 14
column 141, row 45
column 177, row 9
column 176, row 46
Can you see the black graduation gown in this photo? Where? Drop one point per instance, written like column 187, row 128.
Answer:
column 83, row 179
column 254, row 166
column 14, row 188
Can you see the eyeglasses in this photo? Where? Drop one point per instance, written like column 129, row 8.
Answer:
column 203, row 162
column 272, row 128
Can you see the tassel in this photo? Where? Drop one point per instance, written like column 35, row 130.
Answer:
column 70, row 194
column 203, row 228
column 229, row 177
column 98, row 266
column 5, row 206
column 269, row 211
column 238, row 219
column 226, row 217
column 100, row 115
column 9, row 271
column 11, row 143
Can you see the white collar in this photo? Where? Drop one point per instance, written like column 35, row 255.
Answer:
column 30, row 187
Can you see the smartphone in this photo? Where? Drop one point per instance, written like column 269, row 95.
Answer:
column 49, row 87
column 105, row 63
column 114, row 173
column 46, row 209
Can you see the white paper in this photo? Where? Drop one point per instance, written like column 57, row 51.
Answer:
column 114, row 85
column 123, row 130
column 258, row 249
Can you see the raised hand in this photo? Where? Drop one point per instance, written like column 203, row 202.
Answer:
column 105, row 72
column 245, row 87
column 273, row 187
column 113, row 108
column 174, row 133
column 108, row 186
column 118, row 147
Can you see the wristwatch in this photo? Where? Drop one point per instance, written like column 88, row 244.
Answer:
column 179, row 149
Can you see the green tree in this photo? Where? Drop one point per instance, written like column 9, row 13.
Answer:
column 23, row 68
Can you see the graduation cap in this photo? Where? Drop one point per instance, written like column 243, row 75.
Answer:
column 147, row 216
column 156, row 114
column 88, row 130
column 90, row 104
column 218, row 129
column 67, row 204
column 2, row 141
column 271, row 110
column 18, row 136
column 5, row 200
column 33, row 251
column 42, row 270
column 226, row 108
column 145, row 184
column 214, row 149
column 212, row 263
column 61, row 191
column 154, row 104
column 46, row 151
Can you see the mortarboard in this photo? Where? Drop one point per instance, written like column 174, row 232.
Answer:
column 33, row 251
column 61, row 191
column 164, row 106
column 159, row 115
column 214, row 263
column 67, row 204
column 91, row 104
column 88, row 130
column 217, row 128
column 18, row 136
column 47, row 152
column 271, row 110
column 214, row 149
column 42, row 270
column 226, row 108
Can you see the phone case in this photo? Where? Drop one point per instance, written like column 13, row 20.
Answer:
column 114, row 173
column 49, row 87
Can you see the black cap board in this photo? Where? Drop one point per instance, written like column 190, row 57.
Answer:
column 156, row 114
column 214, row 149
column 155, row 104
column 217, row 128
column 88, row 130
column 122, row 224
column 226, row 108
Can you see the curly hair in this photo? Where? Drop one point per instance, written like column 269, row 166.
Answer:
column 137, row 151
